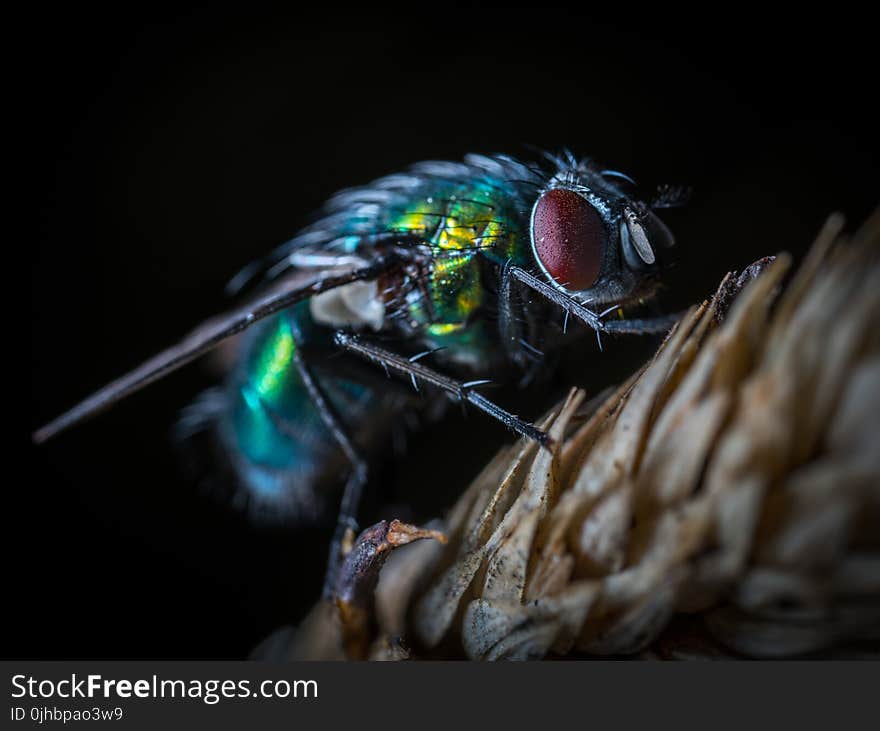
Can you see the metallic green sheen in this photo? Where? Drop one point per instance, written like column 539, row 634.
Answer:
column 461, row 220
column 273, row 421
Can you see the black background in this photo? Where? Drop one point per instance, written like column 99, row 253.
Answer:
column 167, row 151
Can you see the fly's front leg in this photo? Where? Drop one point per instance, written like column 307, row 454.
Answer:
column 641, row 325
column 596, row 321
column 354, row 485
column 509, row 329
column 511, row 316
column 460, row 389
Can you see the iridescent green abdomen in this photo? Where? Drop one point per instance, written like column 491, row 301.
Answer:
column 268, row 391
column 280, row 439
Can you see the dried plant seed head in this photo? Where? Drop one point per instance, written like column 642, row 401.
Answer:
column 723, row 501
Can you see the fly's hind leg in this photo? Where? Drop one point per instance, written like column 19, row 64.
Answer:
column 463, row 390
column 354, row 485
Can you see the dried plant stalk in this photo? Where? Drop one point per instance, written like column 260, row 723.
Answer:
column 725, row 500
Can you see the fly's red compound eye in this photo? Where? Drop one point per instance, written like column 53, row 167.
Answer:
column 568, row 238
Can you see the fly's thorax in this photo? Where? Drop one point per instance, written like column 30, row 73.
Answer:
column 463, row 229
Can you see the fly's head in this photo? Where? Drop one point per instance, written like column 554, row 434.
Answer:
column 597, row 242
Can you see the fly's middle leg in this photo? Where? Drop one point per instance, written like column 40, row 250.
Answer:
column 463, row 390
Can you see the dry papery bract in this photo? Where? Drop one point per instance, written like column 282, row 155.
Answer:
column 724, row 501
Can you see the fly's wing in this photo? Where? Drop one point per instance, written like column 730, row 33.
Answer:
column 205, row 338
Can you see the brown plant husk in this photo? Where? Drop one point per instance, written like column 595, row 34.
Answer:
column 724, row 501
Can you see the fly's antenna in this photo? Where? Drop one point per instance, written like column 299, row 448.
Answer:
column 205, row 338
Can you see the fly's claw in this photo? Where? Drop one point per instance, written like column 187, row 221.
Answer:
column 544, row 439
